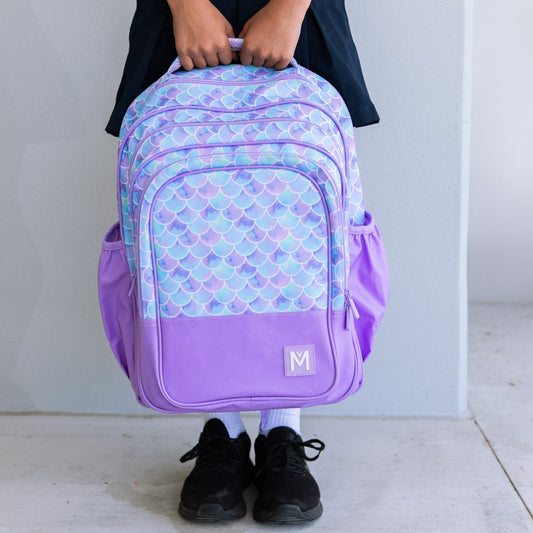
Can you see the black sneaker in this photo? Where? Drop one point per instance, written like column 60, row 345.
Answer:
column 288, row 493
column 213, row 490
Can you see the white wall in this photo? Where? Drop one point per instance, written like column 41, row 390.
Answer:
column 59, row 198
column 60, row 68
column 501, row 197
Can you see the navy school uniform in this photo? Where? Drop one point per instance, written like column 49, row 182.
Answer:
column 325, row 46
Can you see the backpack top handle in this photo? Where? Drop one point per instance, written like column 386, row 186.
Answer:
column 236, row 46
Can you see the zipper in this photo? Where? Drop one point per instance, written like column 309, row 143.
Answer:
column 221, row 123
column 159, row 155
column 132, row 283
column 264, row 106
column 217, row 82
column 130, row 179
column 349, row 305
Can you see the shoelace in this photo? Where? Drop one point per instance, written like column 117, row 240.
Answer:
column 290, row 455
column 212, row 451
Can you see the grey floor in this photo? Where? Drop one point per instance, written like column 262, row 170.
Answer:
column 410, row 475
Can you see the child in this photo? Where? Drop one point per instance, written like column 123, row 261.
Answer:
column 317, row 34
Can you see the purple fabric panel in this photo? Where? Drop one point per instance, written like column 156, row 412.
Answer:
column 115, row 305
column 244, row 355
column 369, row 280
column 237, row 363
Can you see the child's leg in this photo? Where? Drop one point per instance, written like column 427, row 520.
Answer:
column 270, row 418
column 232, row 421
column 273, row 418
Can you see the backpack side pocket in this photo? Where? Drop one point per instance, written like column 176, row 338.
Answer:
column 368, row 281
column 116, row 305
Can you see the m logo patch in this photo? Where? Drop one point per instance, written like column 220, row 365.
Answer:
column 299, row 360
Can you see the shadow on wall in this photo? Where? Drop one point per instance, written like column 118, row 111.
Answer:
column 38, row 106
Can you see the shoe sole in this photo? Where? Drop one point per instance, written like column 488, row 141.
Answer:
column 287, row 514
column 212, row 512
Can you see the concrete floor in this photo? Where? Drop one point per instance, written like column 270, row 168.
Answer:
column 104, row 473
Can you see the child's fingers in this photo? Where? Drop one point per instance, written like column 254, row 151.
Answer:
column 245, row 57
column 280, row 65
column 249, row 56
column 270, row 62
column 223, row 59
column 186, row 62
column 224, row 54
column 211, row 55
column 213, row 59
column 199, row 60
column 258, row 59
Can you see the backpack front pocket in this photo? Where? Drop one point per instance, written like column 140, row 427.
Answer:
column 231, row 244
column 240, row 269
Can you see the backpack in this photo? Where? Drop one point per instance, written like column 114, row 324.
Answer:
column 244, row 272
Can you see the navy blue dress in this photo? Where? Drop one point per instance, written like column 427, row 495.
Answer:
column 325, row 46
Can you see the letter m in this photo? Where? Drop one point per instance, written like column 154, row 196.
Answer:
column 299, row 358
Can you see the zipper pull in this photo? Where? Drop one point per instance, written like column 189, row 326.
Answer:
column 132, row 284
column 346, row 317
column 349, row 306
column 346, row 310
column 353, row 306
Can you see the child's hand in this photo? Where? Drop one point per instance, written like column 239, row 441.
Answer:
column 271, row 35
column 201, row 33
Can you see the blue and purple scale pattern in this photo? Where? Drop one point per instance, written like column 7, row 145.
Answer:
column 237, row 186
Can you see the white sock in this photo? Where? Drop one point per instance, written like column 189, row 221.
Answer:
column 232, row 421
column 274, row 418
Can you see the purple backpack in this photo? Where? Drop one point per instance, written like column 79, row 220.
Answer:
column 244, row 272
